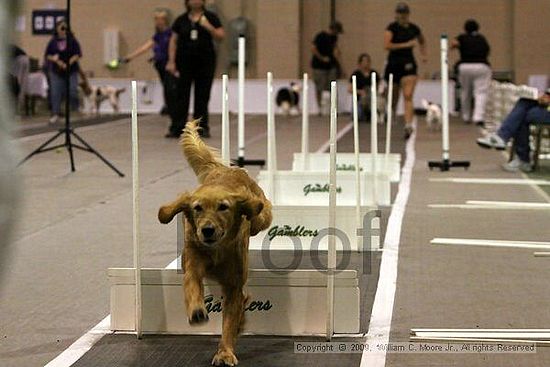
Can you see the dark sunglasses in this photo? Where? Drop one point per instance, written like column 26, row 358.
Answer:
column 63, row 28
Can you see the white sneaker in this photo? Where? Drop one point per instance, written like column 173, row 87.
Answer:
column 516, row 165
column 54, row 119
column 492, row 141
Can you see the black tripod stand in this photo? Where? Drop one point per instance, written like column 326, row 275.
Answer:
column 67, row 131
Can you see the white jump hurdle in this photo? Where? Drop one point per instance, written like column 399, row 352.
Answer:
column 283, row 302
column 388, row 163
column 301, row 201
column 311, row 187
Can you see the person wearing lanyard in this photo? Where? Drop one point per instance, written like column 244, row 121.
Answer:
column 400, row 38
column 159, row 44
column 474, row 72
column 192, row 59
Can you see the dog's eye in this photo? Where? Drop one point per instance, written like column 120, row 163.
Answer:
column 223, row 207
column 197, row 208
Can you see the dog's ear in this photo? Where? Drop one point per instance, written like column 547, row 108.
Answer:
column 249, row 206
column 181, row 204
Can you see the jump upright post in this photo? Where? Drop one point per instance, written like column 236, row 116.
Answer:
column 331, row 256
column 445, row 164
column 136, row 221
column 241, row 160
column 305, row 123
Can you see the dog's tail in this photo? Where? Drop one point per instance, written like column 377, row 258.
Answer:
column 200, row 156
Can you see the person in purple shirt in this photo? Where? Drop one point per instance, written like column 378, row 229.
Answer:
column 159, row 44
column 62, row 55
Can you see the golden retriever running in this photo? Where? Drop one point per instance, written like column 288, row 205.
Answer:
column 219, row 216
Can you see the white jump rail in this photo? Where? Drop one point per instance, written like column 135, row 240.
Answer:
column 289, row 303
column 301, row 201
column 389, row 163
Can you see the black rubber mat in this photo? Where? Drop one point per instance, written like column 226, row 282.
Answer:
column 196, row 351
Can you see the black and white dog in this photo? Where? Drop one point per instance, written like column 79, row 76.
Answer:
column 288, row 98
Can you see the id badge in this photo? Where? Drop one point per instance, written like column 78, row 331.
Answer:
column 194, row 34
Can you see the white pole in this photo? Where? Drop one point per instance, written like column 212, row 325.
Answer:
column 389, row 116
column 445, row 97
column 357, row 161
column 271, row 137
column 136, row 225
column 225, row 123
column 373, row 136
column 305, row 124
column 331, row 263
column 242, row 45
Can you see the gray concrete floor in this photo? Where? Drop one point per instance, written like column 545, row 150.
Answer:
column 468, row 287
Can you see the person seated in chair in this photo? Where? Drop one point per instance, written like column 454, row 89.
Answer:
column 363, row 80
column 516, row 126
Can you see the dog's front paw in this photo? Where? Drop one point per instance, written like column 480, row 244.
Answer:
column 224, row 357
column 198, row 316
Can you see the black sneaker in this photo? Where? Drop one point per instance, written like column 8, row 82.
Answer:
column 480, row 123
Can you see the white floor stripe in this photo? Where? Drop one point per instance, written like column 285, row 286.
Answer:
column 519, row 204
column 323, row 148
column 542, row 254
column 493, row 205
column 492, row 181
column 491, row 243
column 382, row 309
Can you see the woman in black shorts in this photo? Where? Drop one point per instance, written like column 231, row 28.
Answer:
column 400, row 38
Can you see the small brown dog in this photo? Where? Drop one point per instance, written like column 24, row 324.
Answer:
column 219, row 216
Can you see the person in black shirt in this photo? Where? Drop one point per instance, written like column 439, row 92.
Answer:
column 192, row 59
column 363, row 80
column 400, row 38
column 325, row 60
column 474, row 72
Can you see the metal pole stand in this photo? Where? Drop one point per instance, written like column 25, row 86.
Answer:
column 445, row 164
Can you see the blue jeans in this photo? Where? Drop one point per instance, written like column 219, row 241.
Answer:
column 516, row 125
column 58, row 91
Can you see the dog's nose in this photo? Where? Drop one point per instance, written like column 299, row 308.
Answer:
column 208, row 231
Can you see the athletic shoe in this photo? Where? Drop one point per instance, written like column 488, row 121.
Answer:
column 492, row 141
column 408, row 131
column 54, row 119
column 480, row 123
column 516, row 165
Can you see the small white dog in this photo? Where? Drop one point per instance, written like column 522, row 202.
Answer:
column 96, row 95
column 433, row 114
column 288, row 98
